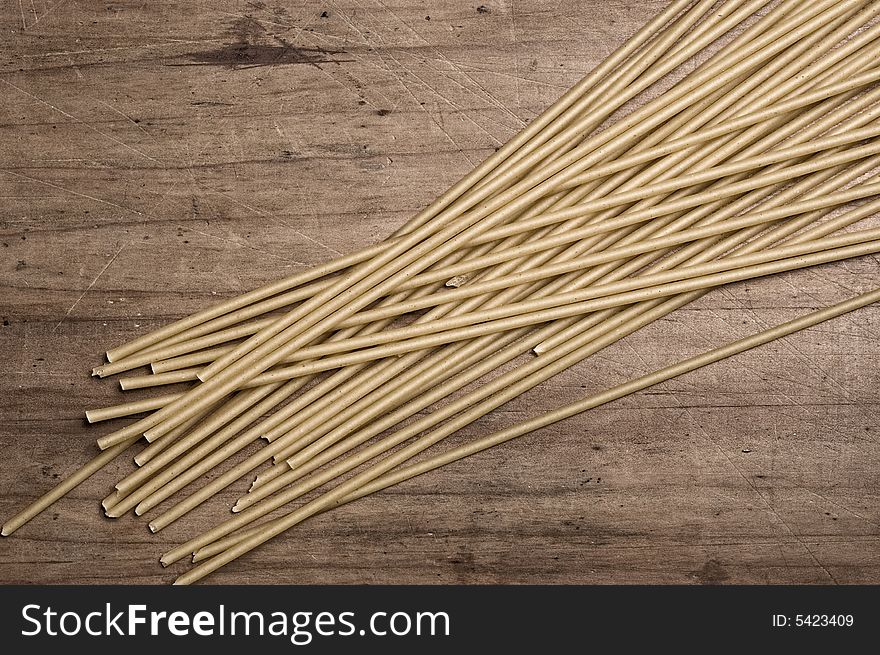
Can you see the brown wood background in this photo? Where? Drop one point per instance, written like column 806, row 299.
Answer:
column 158, row 156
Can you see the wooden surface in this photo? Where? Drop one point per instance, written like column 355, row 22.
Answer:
column 158, row 156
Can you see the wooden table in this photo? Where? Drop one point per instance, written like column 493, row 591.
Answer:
column 156, row 157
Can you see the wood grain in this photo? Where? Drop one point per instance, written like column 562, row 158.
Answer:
column 156, row 157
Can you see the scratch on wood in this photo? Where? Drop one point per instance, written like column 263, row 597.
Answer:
column 72, row 192
column 89, row 288
column 37, row 19
column 79, row 121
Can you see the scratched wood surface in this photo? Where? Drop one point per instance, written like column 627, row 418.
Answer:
column 158, row 156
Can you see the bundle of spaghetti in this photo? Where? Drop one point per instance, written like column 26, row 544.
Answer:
column 627, row 199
